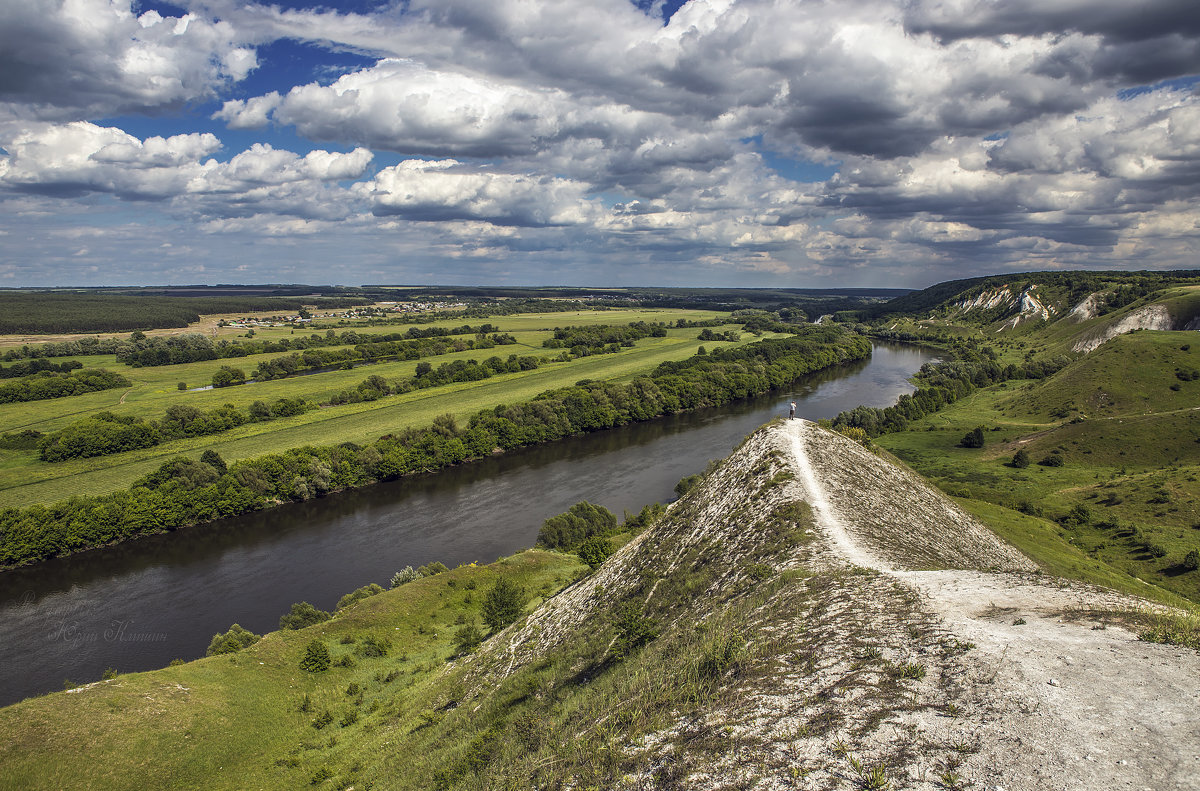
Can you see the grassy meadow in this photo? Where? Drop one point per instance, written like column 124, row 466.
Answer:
column 239, row 721
column 25, row 479
column 1122, row 509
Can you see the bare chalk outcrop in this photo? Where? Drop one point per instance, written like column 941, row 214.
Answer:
column 1150, row 317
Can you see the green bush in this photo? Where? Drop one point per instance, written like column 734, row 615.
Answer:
column 227, row 376
column 214, row 460
column 1020, row 459
column 98, row 435
column 1053, row 460
column 467, row 638
column 1078, row 515
column 594, row 551
column 302, row 614
column 362, row 593
column 25, row 439
column 973, row 438
column 634, row 629
column 503, row 604
column 581, row 521
column 685, row 485
column 232, row 641
column 372, row 646
column 1191, row 561
column 316, row 657
column 404, row 575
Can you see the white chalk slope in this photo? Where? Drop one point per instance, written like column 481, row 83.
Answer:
column 1073, row 706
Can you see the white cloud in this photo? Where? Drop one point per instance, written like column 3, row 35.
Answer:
column 965, row 134
column 81, row 158
column 63, row 58
column 404, row 106
column 446, row 190
column 250, row 113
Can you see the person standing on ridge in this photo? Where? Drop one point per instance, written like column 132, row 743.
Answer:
column 791, row 410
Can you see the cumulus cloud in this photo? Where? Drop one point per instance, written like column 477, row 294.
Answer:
column 1078, row 190
column 446, row 190
column 519, row 79
column 61, row 59
column 248, row 113
column 404, row 106
column 995, row 134
column 81, row 158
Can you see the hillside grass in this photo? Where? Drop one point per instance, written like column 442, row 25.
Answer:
column 1129, row 375
column 1058, row 555
column 25, row 479
column 234, row 721
column 1122, row 510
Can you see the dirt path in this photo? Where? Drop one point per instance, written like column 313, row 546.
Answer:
column 1061, row 701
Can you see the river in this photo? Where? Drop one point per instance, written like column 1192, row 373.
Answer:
column 139, row 605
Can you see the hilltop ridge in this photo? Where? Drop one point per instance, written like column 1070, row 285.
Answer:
column 910, row 641
column 1051, row 312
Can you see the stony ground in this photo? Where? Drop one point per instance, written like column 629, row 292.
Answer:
column 1054, row 698
column 892, row 641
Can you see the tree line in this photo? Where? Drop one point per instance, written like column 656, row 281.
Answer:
column 49, row 384
column 104, row 433
column 313, row 359
column 602, row 338
column 426, row 376
column 140, row 350
column 48, row 312
column 941, row 384
column 31, row 367
column 187, row 492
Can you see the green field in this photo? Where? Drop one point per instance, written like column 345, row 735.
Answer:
column 1122, row 510
column 24, row 479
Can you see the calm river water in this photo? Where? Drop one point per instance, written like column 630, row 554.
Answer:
column 140, row 605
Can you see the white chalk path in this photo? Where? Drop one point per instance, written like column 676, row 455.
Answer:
column 1079, row 708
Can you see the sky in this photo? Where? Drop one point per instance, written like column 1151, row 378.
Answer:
column 798, row 143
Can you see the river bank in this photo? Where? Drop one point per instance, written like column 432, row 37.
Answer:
column 187, row 585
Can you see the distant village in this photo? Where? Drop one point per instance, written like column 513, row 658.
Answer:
column 377, row 310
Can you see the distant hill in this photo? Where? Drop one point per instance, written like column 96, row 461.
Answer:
column 1048, row 312
column 997, row 297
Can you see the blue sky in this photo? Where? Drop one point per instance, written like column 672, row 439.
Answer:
column 595, row 142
